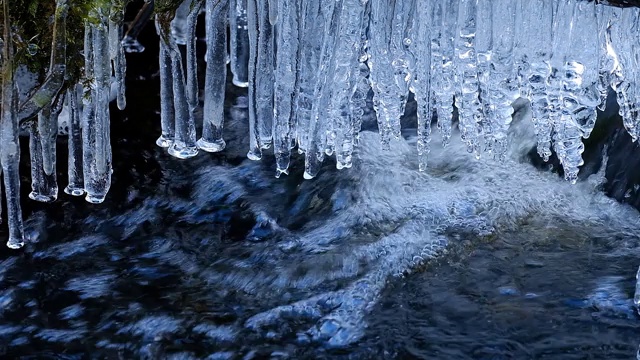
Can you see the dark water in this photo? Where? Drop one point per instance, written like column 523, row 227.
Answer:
column 546, row 291
column 214, row 258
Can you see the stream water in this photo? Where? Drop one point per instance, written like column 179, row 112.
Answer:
column 214, row 258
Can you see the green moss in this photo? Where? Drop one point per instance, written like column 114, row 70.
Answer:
column 41, row 101
column 32, row 23
column 166, row 6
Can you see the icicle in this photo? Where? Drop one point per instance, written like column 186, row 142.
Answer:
column 167, row 111
column 273, row 11
column 193, row 95
column 626, row 73
column 35, row 156
column 310, row 47
column 503, row 83
column 573, row 93
column 607, row 58
column 42, row 150
column 484, row 54
column 287, row 55
column 255, row 152
column 580, row 96
column 130, row 41
column 422, row 85
column 345, row 81
column 179, row 24
column 538, row 29
column 560, row 45
column 339, row 136
column 442, row 70
column 261, row 77
column 215, row 78
column 9, row 130
column 265, row 79
column 316, row 148
column 48, row 129
column 117, row 56
column 45, row 187
column 239, row 42
column 96, row 134
column 358, row 100
column 76, row 177
column 183, row 145
column 466, row 99
column 520, row 47
column 388, row 22
column 400, row 40
column 633, row 124
column 583, row 70
column 88, row 102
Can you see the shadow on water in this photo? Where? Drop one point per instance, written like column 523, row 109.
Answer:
column 214, row 258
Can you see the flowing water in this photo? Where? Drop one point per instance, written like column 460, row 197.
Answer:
column 215, row 258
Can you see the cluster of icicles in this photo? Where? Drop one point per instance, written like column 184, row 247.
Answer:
column 309, row 66
column 87, row 104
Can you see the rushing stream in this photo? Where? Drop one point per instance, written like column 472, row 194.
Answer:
column 215, row 258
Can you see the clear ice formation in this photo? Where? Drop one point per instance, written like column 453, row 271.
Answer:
column 476, row 56
column 309, row 66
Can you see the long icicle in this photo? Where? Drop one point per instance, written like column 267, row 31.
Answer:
column 42, row 151
column 422, row 85
column 215, row 78
column 76, row 178
column 239, row 42
column 116, row 52
column 442, row 56
column 358, row 101
column 538, row 71
column 255, row 151
column 184, row 143
column 503, row 83
column 316, row 150
column 48, row 131
column 167, row 111
column 344, row 79
column 287, row 55
column 386, row 105
column 306, row 70
column 48, row 125
column 96, row 134
column 265, row 65
column 10, row 149
column 35, row 155
column 466, row 96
